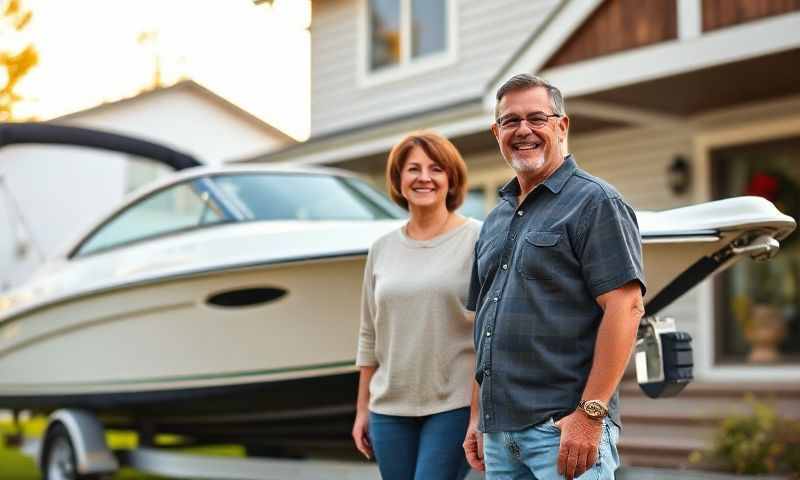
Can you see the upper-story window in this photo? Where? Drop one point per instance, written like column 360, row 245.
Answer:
column 407, row 33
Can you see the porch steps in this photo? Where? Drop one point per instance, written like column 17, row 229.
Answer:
column 663, row 432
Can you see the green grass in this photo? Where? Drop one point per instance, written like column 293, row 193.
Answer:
column 16, row 466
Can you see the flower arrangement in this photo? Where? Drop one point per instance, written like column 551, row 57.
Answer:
column 774, row 282
column 776, row 187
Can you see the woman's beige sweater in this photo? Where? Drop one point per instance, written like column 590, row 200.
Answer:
column 414, row 326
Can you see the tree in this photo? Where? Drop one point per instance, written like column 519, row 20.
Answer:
column 15, row 62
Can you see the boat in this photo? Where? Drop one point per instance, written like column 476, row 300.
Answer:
column 221, row 304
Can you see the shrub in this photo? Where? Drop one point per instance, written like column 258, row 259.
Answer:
column 761, row 442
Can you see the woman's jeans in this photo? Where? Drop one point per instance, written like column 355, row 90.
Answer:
column 420, row 448
column 533, row 454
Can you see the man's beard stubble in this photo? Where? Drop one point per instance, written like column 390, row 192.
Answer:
column 522, row 166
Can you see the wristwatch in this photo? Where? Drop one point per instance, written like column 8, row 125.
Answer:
column 594, row 409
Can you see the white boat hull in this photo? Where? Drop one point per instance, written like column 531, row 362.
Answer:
column 165, row 336
column 147, row 350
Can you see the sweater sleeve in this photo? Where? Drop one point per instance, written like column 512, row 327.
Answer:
column 366, row 335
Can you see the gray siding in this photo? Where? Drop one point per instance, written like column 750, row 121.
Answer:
column 489, row 33
column 635, row 161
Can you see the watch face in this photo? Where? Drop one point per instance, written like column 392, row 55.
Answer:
column 595, row 409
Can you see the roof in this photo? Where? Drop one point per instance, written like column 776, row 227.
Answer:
column 188, row 85
column 663, row 60
column 399, row 122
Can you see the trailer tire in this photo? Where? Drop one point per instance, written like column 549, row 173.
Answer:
column 58, row 457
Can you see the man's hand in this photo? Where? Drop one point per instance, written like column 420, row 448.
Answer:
column 473, row 447
column 580, row 441
column 361, row 434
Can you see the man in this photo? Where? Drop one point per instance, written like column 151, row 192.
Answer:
column 557, row 287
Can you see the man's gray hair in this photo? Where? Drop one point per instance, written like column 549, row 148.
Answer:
column 524, row 81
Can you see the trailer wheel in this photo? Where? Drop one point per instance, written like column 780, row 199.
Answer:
column 58, row 460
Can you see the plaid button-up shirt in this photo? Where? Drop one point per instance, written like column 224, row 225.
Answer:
column 538, row 270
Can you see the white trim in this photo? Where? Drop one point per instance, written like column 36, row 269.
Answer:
column 753, row 39
column 408, row 66
column 448, row 128
column 620, row 113
column 546, row 43
column 690, row 19
column 405, row 27
column 704, row 142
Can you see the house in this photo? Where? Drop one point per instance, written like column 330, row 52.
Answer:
column 674, row 102
column 43, row 202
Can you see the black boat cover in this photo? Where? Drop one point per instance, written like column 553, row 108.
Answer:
column 46, row 133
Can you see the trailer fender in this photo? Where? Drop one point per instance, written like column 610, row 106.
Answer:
column 88, row 438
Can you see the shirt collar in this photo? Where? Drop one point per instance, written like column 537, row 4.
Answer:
column 555, row 182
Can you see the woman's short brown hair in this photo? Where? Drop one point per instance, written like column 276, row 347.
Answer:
column 438, row 149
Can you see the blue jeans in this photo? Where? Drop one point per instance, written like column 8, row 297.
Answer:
column 533, row 454
column 422, row 448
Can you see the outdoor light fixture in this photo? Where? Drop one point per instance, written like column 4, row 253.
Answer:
column 679, row 175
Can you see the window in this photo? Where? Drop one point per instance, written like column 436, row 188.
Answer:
column 303, row 197
column 142, row 171
column 179, row 207
column 241, row 197
column 758, row 303
column 404, row 32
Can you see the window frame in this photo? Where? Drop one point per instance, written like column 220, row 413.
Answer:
column 721, row 283
column 75, row 253
column 408, row 66
column 231, row 216
column 768, row 127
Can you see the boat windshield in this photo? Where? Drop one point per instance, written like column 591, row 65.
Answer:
column 239, row 197
column 302, row 197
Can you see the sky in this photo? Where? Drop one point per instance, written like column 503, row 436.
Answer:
column 90, row 52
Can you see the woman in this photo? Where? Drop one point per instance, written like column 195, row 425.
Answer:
column 415, row 346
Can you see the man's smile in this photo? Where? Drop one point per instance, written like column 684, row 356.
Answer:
column 526, row 145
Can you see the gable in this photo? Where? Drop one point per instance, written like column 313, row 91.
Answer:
column 618, row 25
column 590, row 46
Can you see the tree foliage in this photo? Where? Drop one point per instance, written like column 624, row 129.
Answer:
column 17, row 61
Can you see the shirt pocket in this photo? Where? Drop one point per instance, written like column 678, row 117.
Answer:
column 541, row 256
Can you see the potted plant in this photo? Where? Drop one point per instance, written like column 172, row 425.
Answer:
column 762, row 313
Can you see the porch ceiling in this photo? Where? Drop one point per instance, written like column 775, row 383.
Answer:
column 762, row 78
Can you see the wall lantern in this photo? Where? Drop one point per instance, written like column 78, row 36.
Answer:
column 679, row 175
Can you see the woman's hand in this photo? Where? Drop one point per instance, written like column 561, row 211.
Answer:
column 361, row 434
column 361, row 425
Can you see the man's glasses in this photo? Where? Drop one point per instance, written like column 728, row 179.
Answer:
column 536, row 120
